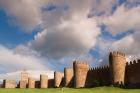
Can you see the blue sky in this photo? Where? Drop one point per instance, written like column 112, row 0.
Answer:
column 49, row 35
column 10, row 35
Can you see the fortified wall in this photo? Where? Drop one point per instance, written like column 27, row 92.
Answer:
column 68, row 77
column 117, row 63
column 80, row 73
column 31, row 83
column 9, row 84
column 23, row 83
column 119, row 72
column 58, row 79
column 98, row 76
column 43, row 81
column 132, row 73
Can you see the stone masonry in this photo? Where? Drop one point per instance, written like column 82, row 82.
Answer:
column 24, row 80
column 31, row 83
column 117, row 67
column 9, row 84
column 43, row 81
column 117, row 73
column 58, row 78
column 80, row 73
column 68, row 77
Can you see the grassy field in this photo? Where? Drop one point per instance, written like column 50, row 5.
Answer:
column 70, row 90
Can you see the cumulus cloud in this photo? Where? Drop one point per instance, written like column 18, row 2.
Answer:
column 69, row 31
column 69, row 38
column 23, row 13
column 123, row 20
column 101, row 7
column 25, row 50
column 130, row 45
column 28, row 13
column 132, row 3
column 11, row 61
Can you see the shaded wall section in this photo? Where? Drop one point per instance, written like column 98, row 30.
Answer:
column 132, row 74
column 68, row 77
column 98, row 77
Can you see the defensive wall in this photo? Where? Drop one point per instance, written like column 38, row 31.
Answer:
column 118, row 72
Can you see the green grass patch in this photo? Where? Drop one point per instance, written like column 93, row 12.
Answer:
column 72, row 90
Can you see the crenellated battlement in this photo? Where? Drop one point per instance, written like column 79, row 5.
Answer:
column 117, row 63
column 68, row 77
column 134, row 62
column 66, row 68
column 99, row 68
column 117, row 73
column 80, row 73
column 80, row 62
column 117, row 53
column 58, row 77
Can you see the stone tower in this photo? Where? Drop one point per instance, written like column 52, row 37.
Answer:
column 24, row 76
column 68, row 77
column 43, row 81
column 80, row 73
column 58, row 78
column 31, row 83
column 24, row 79
column 117, row 62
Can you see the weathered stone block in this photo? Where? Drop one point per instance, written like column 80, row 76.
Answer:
column 58, row 77
column 9, row 84
column 43, row 81
column 23, row 84
column 31, row 83
column 80, row 73
column 24, row 76
column 68, row 77
column 117, row 63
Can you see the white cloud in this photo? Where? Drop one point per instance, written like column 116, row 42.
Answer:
column 123, row 20
column 24, row 13
column 101, row 7
column 67, row 33
column 68, row 38
column 11, row 61
column 130, row 45
column 70, row 33
column 25, row 50
column 125, row 17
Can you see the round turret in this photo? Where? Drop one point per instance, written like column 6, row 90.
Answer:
column 80, row 73
column 31, row 83
column 117, row 62
column 68, row 76
column 58, row 77
column 43, row 81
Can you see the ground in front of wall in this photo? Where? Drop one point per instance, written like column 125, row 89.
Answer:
column 72, row 90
